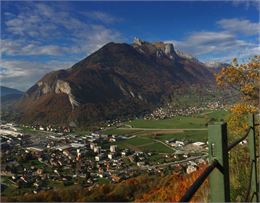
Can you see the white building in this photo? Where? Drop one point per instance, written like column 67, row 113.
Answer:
column 198, row 143
column 190, row 169
column 99, row 157
column 97, row 149
column 92, row 145
column 113, row 148
column 110, row 156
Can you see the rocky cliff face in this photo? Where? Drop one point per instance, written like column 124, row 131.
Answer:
column 159, row 49
column 118, row 80
column 57, row 86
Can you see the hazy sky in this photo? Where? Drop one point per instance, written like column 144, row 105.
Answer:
column 38, row 37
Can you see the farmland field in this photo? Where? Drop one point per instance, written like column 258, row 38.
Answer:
column 188, row 135
column 193, row 121
column 149, row 135
column 176, row 122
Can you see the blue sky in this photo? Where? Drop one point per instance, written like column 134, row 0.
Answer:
column 38, row 37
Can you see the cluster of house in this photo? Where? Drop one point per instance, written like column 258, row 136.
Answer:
column 49, row 128
column 171, row 110
column 37, row 162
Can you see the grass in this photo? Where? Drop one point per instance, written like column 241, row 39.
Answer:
column 194, row 121
column 171, row 123
column 218, row 114
column 116, row 131
column 26, row 130
column 156, row 147
column 148, row 142
column 156, row 158
column 139, row 141
column 144, row 143
column 135, row 143
column 187, row 135
column 145, row 140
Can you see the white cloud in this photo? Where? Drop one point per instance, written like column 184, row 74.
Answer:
column 20, row 47
column 225, row 44
column 199, row 43
column 38, row 29
column 41, row 23
column 22, row 74
column 243, row 26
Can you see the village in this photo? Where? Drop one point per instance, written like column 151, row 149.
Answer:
column 45, row 158
column 170, row 110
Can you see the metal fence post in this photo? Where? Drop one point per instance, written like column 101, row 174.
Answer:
column 218, row 149
column 253, row 160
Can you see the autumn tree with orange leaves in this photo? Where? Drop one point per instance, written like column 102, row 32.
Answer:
column 245, row 79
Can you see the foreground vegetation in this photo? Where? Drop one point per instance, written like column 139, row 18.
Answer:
column 141, row 189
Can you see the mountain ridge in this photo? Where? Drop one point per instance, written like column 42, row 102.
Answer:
column 7, row 91
column 117, row 80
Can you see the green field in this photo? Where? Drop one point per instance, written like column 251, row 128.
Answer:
column 139, row 141
column 157, row 147
column 218, row 115
column 144, row 143
column 178, row 122
column 148, row 133
column 148, row 142
column 116, row 131
column 171, row 123
column 187, row 135
column 194, row 121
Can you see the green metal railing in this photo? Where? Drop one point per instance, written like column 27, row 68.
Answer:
column 218, row 170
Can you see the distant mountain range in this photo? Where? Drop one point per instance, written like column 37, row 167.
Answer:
column 7, row 91
column 9, row 95
column 216, row 66
column 118, row 80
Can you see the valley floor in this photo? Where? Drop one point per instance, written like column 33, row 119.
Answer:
column 36, row 160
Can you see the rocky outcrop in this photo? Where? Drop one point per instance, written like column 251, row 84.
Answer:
column 138, row 41
column 64, row 87
column 44, row 87
column 57, row 87
column 160, row 49
column 118, row 80
column 169, row 50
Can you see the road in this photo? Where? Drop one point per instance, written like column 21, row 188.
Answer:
column 163, row 129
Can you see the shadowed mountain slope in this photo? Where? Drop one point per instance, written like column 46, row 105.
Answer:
column 116, row 81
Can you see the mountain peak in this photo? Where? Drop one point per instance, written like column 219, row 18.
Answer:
column 138, row 41
column 159, row 49
column 117, row 80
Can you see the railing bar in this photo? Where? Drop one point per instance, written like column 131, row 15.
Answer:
column 256, row 124
column 249, row 183
column 198, row 182
column 252, row 197
column 232, row 145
